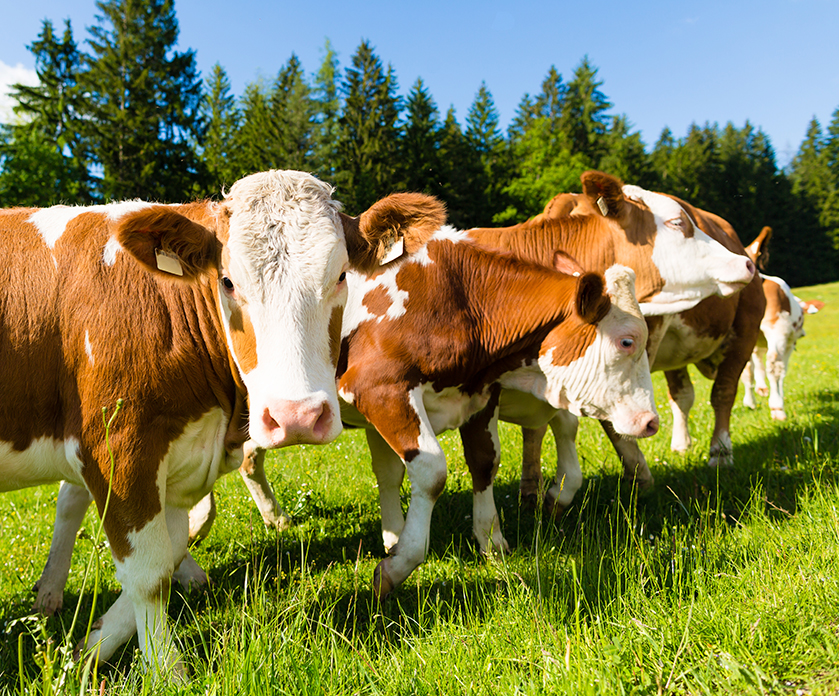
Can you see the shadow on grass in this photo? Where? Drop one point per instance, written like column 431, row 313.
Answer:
column 776, row 462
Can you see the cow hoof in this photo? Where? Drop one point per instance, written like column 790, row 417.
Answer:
column 278, row 522
column 382, row 584
column 721, row 460
column 553, row 508
column 189, row 574
column 642, row 485
column 529, row 501
column 49, row 604
column 778, row 414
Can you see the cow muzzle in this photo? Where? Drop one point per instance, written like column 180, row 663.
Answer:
column 282, row 423
column 739, row 274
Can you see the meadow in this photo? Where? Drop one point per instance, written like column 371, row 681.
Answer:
column 714, row 582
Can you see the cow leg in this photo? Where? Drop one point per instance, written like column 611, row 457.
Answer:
column 748, row 380
column 530, row 485
column 635, row 467
column 145, row 574
column 760, row 371
column 681, row 397
column 777, row 359
column 569, row 475
column 482, row 451
column 389, row 471
column 253, row 474
column 425, row 463
column 72, row 504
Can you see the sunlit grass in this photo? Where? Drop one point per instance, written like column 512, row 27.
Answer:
column 716, row 581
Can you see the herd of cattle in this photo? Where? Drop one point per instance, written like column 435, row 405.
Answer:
column 222, row 327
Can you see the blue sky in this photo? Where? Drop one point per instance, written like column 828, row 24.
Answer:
column 662, row 62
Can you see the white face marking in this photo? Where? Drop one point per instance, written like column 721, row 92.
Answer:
column 694, row 267
column 285, row 255
column 88, row 348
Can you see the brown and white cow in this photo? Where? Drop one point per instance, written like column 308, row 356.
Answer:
column 430, row 343
column 190, row 315
column 781, row 327
column 676, row 264
column 716, row 334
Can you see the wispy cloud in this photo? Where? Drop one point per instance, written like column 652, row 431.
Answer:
column 10, row 75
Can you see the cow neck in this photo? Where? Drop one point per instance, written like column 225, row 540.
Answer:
column 510, row 306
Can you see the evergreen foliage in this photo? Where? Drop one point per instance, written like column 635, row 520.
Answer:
column 132, row 118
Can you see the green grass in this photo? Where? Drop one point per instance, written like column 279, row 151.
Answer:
column 713, row 582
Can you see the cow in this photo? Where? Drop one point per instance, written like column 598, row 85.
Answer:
column 429, row 345
column 781, row 327
column 716, row 334
column 211, row 323
column 677, row 266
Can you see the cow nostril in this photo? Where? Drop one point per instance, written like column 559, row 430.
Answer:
column 652, row 427
column 323, row 422
column 750, row 266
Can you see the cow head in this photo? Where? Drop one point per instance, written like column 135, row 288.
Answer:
column 611, row 380
column 678, row 264
column 277, row 252
column 594, row 363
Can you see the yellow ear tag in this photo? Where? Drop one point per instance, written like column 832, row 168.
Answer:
column 168, row 262
column 394, row 251
column 604, row 207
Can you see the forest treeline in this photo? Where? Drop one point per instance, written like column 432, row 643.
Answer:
column 127, row 115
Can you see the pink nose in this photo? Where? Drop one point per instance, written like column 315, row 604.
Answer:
column 649, row 425
column 750, row 267
column 296, row 423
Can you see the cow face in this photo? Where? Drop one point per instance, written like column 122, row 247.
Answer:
column 595, row 363
column 692, row 265
column 276, row 252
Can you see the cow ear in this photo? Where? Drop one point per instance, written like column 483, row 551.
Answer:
column 165, row 242
column 758, row 250
column 605, row 193
column 591, row 302
column 565, row 263
column 391, row 229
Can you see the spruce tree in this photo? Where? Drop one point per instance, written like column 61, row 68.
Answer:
column 485, row 140
column 253, row 147
column 460, row 169
column 584, row 120
column 220, row 113
column 48, row 136
column 327, row 100
column 144, row 99
column 291, row 127
column 420, row 141
column 625, row 155
column 368, row 167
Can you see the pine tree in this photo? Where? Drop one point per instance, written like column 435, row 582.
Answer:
column 584, row 119
column 327, row 111
column 625, row 155
column 485, row 140
column 291, row 130
column 421, row 141
column 51, row 118
column 222, row 117
column 145, row 98
column 368, row 167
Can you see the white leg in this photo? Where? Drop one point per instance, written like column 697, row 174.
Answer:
column 189, row 574
column 201, row 518
column 777, row 360
column 760, row 372
column 681, row 396
column 389, row 471
column 145, row 575
column 569, row 475
column 747, row 378
column 253, row 474
column 72, row 504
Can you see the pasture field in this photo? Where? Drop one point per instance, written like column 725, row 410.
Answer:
column 716, row 581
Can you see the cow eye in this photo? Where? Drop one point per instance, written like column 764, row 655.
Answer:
column 227, row 283
column 627, row 343
column 342, row 277
column 676, row 223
